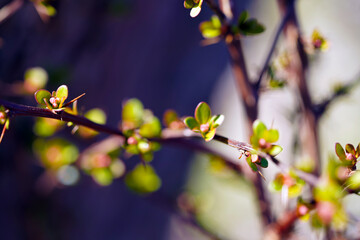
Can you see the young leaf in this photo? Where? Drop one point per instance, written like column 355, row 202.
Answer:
column 217, row 120
column 151, row 128
column 189, row 4
column 251, row 27
column 191, row 123
column 275, row 150
column 251, row 164
column 340, row 152
column 132, row 113
column 263, row 163
column 42, row 94
column 196, row 9
column 259, row 128
column 271, row 136
column 209, row 135
column 169, row 117
column 243, row 17
column 209, row 30
column 62, row 94
column 202, row 113
column 357, row 150
column 350, row 149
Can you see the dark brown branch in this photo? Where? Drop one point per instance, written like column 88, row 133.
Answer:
column 22, row 110
column 321, row 108
column 298, row 67
column 216, row 9
column 181, row 138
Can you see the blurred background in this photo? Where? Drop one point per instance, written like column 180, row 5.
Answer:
column 119, row 49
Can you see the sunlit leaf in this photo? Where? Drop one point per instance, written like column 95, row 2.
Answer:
column 132, row 113
column 143, row 179
column 340, row 152
column 350, row 149
column 151, row 128
column 275, row 150
column 42, row 94
column 209, row 135
column 259, row 128
column 102, row 176
column 35, row 78
column 62, row 94
column 251, row 164
column 217, row 120
column 271, row 135
column 211, row 29
column 353, row 182
column 189, row 4
column 191, row 123
column 202, row 113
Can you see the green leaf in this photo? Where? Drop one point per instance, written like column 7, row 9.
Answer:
column 62, row 94
column 202, row 113
column 208, row 30
column 191, row 123
column 263, row 163
column 353, row 182
column 217, row 120
column 340, row 152
column 42, row 94
column 169, row 117
column 132, row 113
column 251, row 164
column 189, row 4
column 150, row 129
column 259, row 128
column 35, row 78
column 271, row 136
column 196, row 9
column 243, row 17
column 275, row 150
column 350, row 149
column 96, row 115
column 143, row 179
column 358, row 150
column 102, row 176
column 251, row 27
column 209, row 135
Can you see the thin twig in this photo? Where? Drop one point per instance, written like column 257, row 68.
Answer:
column 321, row 108
column 272, row 48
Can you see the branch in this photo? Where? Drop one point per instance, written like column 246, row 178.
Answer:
column 298, row 66
column 272, row 48
column 22, row 110
column 180, row 138
column 216, row 9
column 321, row 108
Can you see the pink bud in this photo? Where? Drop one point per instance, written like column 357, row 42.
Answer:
column 350, row 157
column 53, row 101
column 131, row 141
column 255, row 158
column 326, row 211
column 302, row 210
column 204, row 127
column 2, row 115
column 317, row 43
